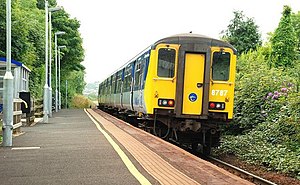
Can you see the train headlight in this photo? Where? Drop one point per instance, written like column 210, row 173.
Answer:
column 166, row 102
column 216, row 105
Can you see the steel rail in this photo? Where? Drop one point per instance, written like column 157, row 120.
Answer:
column 255, row 179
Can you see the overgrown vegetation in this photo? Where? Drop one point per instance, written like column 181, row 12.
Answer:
column 28, row 44
column 80, row 101
column 266, row 125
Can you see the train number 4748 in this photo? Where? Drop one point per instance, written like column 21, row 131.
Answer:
column 219, row 92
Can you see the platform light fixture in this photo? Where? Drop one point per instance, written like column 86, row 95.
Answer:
column 56, row 67
column 46, row 87
column 8, row 84
column 50, row 10
column 59, row 94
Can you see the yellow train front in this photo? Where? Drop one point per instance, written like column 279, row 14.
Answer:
column 180, row 88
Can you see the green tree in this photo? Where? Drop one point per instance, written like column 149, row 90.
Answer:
column 2, row 28
column 242, row 33
column 28, row 42
column 72, row 56
column 284, row 41
column 296, row 26
column 27, row 38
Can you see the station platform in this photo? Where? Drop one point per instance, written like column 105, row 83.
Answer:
column 89, row 147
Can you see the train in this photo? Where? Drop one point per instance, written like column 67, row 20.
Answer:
column 180, row 88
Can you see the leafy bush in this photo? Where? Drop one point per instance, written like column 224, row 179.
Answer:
column 275, row 145
column 266, row 126
column 80, row 101
column 254, row 80
column 267, row 116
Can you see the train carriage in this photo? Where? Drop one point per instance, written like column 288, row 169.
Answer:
column 181, row 87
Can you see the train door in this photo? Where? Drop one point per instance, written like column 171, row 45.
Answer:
column 193, row 83
column 141, row 84
column 131, row 85
column 121, row 90
column 137, row 83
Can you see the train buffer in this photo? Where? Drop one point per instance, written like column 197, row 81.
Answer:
column 87, row 147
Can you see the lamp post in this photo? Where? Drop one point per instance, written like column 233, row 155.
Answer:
column 56, row 92
column 46, row 87
column 8, row 84
column 54, row 9
column 66, row 94
column 59, row 94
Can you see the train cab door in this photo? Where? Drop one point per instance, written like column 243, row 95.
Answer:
column 193, row 83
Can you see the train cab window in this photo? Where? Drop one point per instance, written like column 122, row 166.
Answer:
column 221, row 66
column 166, row 62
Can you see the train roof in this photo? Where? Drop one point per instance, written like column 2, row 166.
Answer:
column 186, row 38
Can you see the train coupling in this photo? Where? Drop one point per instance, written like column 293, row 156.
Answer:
column 190, row 125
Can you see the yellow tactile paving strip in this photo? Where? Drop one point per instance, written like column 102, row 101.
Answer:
column 160, row 169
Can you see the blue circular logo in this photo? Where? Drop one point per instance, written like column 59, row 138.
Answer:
column 193, row 97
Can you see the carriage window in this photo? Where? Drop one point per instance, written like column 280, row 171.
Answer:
column 119, row 81
column 166, row 62
column 221, row 66
column 127, row 79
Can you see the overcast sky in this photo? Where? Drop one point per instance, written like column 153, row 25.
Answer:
column 114, row 31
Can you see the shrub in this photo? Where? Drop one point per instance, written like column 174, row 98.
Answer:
column 266, row 125
column 80, row 101
column 274, row 142
column 254, row 80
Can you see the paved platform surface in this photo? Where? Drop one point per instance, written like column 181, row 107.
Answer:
column 96, row 148
column 67, row 150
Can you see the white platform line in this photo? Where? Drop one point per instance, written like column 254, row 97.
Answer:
column 26, row 148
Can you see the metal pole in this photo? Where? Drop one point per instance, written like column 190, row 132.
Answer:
column 8, row 84
column 50, row 62
column 57, row 68
column 66, row 94
column 46, row 87
column 59, row 95
column 56, row 93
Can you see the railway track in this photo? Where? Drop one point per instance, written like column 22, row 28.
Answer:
column 238, row 171
column 228, row 167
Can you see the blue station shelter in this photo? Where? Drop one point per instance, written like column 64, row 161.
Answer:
column 21, row 78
